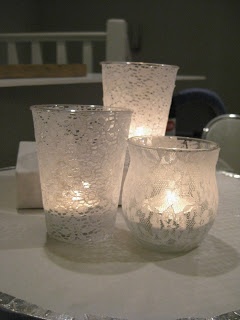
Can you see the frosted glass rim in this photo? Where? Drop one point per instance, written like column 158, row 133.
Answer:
column 140, row 63
column 137, row 141
column 76, row 108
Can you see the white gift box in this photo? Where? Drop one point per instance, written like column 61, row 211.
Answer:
column 27, row 177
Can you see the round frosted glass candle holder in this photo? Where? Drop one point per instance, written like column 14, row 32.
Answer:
column 81, row 151
column 145, row 88
column 170, row 194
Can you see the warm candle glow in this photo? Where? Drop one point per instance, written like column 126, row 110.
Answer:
column 168, row 206
column 170, row 194
column 140, row 131
column 86, row 184
column 78, row 195
column 171, row 197
column 81, row 150
column 171, row 200
column 145, row 88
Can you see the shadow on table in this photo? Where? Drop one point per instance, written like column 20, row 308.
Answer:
column 123, row 254
column 213, row 257
column 120, row 254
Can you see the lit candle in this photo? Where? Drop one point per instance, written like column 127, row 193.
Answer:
column 140, row 131
column 145, row 88
column 169, row 210
column 81, row 151
column 75, row 202
column 170, row 193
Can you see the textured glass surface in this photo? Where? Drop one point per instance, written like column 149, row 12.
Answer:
column 144, row 88
column 23, row 308
column 232, row 315
column 170, row 194
column 81, row 151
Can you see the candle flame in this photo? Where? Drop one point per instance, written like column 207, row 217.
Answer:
column 77, row 195
column 139, row 131
column 171, row 197
column 170, row 200
column 86, row 185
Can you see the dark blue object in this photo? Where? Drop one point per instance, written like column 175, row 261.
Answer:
column 193, row 109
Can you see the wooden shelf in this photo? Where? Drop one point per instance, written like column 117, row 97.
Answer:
column 42, row 70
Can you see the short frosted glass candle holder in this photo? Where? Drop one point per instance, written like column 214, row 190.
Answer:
column 145, row 88
column 170, row 194
column 81, row 151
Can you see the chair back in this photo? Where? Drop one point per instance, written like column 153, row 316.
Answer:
column 225, row 130
column 115, row 38
column 193, row 109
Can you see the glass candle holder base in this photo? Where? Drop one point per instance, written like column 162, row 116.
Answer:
column 81, row 151
column 94, row 225
column 169, row 241
column 170, row 195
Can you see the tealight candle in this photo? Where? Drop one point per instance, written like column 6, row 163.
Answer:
column 81, row 151
column 170, row 193
column 145, row 88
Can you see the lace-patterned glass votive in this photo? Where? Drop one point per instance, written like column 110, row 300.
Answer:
column 170, row 195
column 145, row 88
column 81, row 151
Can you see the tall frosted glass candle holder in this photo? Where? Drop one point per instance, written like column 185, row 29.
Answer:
column 145, row 88
column 81, row 151
column 170, row 194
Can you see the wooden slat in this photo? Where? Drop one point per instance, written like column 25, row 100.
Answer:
column 36, row 52
column 42, row 71
column 61, row 52
column 87, row 55
column 12, row 53
column 115, row 37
